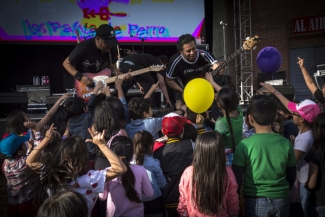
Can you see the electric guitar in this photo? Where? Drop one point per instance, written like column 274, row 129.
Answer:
column 247, row 45
column 85, row 91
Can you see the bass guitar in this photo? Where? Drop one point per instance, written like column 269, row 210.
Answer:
column 247, row 45
column 85, row 91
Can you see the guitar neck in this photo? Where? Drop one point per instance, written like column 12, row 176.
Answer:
column 227, row 61
column 138, row 72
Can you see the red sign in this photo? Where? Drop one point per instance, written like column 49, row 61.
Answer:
column 310, row 24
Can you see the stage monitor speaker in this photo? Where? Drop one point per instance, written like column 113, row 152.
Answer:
column 51, row 100
column 286, row 90
column 10, row 101
column 202, row 46
column 266, row 77
column 36, row 93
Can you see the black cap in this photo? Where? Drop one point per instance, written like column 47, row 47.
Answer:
column 107, row 33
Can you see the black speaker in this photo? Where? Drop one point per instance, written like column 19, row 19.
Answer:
column 202, row 46
column 51, row 100
column 286, row 90
column 265, row 77
column 10, row 101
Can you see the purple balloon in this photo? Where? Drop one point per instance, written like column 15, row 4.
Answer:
column 269, row 60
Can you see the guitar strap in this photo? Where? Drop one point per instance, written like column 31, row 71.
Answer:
column 207, row 67
column 110, row 60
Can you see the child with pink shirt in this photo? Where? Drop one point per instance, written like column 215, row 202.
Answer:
column 124, row 193
column 208, row 187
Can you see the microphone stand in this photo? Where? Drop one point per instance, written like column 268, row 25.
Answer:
column 142, row 41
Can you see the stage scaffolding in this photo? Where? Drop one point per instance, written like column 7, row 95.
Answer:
column 244, row 61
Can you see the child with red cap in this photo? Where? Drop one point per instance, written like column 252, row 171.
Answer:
column 175, row 156
column 303, row 115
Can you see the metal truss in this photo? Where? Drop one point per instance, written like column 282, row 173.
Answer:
column 244, row 61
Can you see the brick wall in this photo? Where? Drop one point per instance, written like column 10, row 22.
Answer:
column 272, row 21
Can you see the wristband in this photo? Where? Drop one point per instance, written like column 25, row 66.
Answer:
column 275, row 92
column 78, row 76
column 182, row 110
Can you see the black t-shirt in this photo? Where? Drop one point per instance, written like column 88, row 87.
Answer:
column 174, row 158
column 318, row 94
column 86, row 57
column 178, row 66
column 316, row 156
column 139, row 61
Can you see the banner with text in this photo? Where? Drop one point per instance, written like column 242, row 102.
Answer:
column 135, row 21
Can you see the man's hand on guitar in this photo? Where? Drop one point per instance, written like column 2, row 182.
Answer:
column 215, row 65
column 87, row 81
column 127, row 76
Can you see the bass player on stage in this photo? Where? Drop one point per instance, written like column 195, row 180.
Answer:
column 94, row 55
column 187, row 64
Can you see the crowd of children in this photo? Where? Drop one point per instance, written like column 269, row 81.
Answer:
column 110, row 158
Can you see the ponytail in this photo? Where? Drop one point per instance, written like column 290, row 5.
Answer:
column 122, row 146
column 128, row 181
column 143, row 143
column 231, row 131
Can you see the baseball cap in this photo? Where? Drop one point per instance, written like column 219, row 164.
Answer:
column 172, row 125
column 10, row 144
column 107, row 33
column 307, row 109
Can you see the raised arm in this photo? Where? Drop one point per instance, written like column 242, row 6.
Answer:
column 32, row 159
column 308, row 79
column 163, row 88
column 152, row 89
column 74, row 72
column 118, row 167
column 269, row 88
column 215, row 86
column 52, row 111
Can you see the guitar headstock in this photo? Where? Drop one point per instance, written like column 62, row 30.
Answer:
column 156, row 68
column 250, row 42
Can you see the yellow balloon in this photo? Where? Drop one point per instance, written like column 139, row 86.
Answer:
column 198, row 95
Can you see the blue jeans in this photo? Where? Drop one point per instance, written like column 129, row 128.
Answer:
column 315, row 211
column 262, row 206
column 304, row 196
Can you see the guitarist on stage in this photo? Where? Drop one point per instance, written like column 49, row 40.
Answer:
column 137, row 61
column 93, row 55
column 187, row 64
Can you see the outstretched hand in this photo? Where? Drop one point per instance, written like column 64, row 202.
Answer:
column 209, row 77
column 51, row 132
column 301, row 62
column 268, row 87
column 178, row 104
column 169, row 104
column 97, row 137
column 155, row 86
column 31, row 125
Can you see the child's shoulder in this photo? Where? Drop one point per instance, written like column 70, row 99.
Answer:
column 135, row 167
column 14, row 164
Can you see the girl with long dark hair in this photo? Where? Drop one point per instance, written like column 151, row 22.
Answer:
column 231, row 124
column 143, row 145
column 124, row 193
column 316, row 178
column 208, row 187
column 68, row 167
